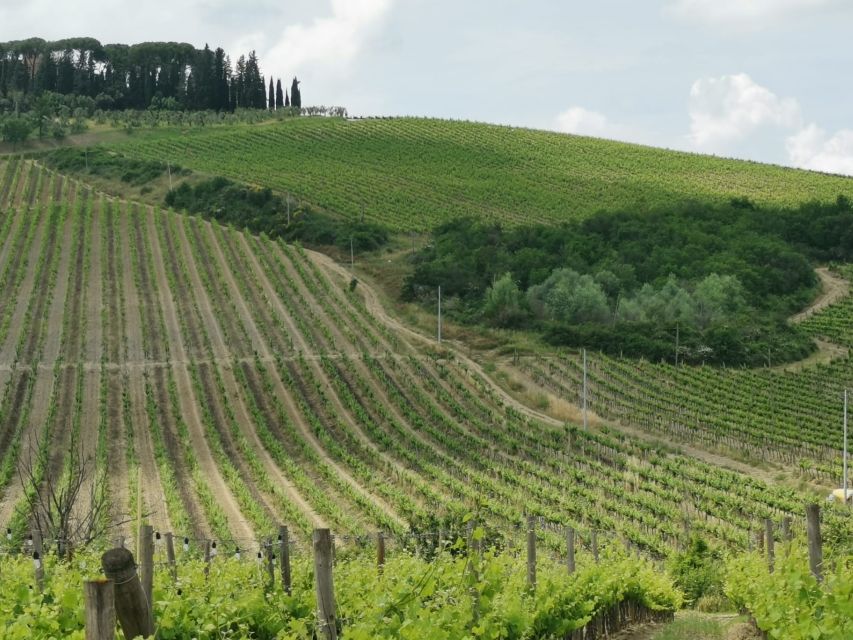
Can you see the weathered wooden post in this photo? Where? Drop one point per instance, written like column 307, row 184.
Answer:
column 768, row 530
column 99, row 597
column 786, row 529
column 284, row 553
column 38, row 570
column 815, row 541
column 595, row 545
column 170, row 555
column 322, row 544
column 206, row 558
column 570, row 550
column 146, row 551
column 132, row 609
column 270, row 562
column 380, row 551
column 531, row 552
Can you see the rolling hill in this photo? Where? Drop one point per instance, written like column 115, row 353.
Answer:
column 414, row 173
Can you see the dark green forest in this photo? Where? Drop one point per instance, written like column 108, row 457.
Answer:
column 81, row 73
column 710, row 283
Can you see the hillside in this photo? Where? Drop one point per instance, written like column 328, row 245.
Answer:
column 413, row 173
column 252, row 386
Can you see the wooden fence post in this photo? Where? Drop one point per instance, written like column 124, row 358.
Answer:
column 206, row 558
column 531, row 552
column 570, row 550
column 132, row 609
column 768, row 529
column 38, row 544
column 170, row 555
column 786, row 529
column 284, row 551
column 595, row 545
column 270, row 562
column 759, row 540
column 99, row 596
column 380, row 551
column 815, row 541
column 38, row 570
column 322, row 544
column 146, row 552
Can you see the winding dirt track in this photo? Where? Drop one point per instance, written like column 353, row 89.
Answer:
column 833, row 289
column 375, row 307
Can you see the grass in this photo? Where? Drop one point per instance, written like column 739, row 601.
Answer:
column 692, row 625
column 414, row 173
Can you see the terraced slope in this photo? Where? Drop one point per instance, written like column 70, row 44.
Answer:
column 250, row 386
column 415, row 173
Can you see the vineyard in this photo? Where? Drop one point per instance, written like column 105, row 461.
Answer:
column 225, row 383
column 787, row 417
column 412, row 174
column 240, row 593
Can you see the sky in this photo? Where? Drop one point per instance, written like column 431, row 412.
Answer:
column 765, row 80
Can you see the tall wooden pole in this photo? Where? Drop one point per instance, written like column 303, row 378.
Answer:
column 844, row 478
column 146, row 546
column 585, row 420
column 284, row 552
column 326, row 621
column 439, row 314
column 815, row 541
column 531, row 552
column 99, row 596
column 132, row 608
column 570, row 550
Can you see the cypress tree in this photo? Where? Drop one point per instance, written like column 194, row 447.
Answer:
column 279, row 96
column 295, row 95
column 271, row 100
column 286, row 99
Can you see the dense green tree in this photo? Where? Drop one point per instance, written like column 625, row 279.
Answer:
column 503, row 302
column 16, row 129
column 271, row 99
column 279, row 96
column 295, row 94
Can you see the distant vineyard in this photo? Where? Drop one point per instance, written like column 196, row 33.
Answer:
column 790, row 417
column 415, row 173
column 252, row 387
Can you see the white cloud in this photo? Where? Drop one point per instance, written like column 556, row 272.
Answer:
column 583, row 122
column 332, row 41
column 811, row 148
column 742, row 13
column 726, row 109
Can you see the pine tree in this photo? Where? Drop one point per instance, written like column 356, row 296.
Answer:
column 295, row 95
column 279, row 96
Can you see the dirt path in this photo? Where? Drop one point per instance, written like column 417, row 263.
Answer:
column 833, row 289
